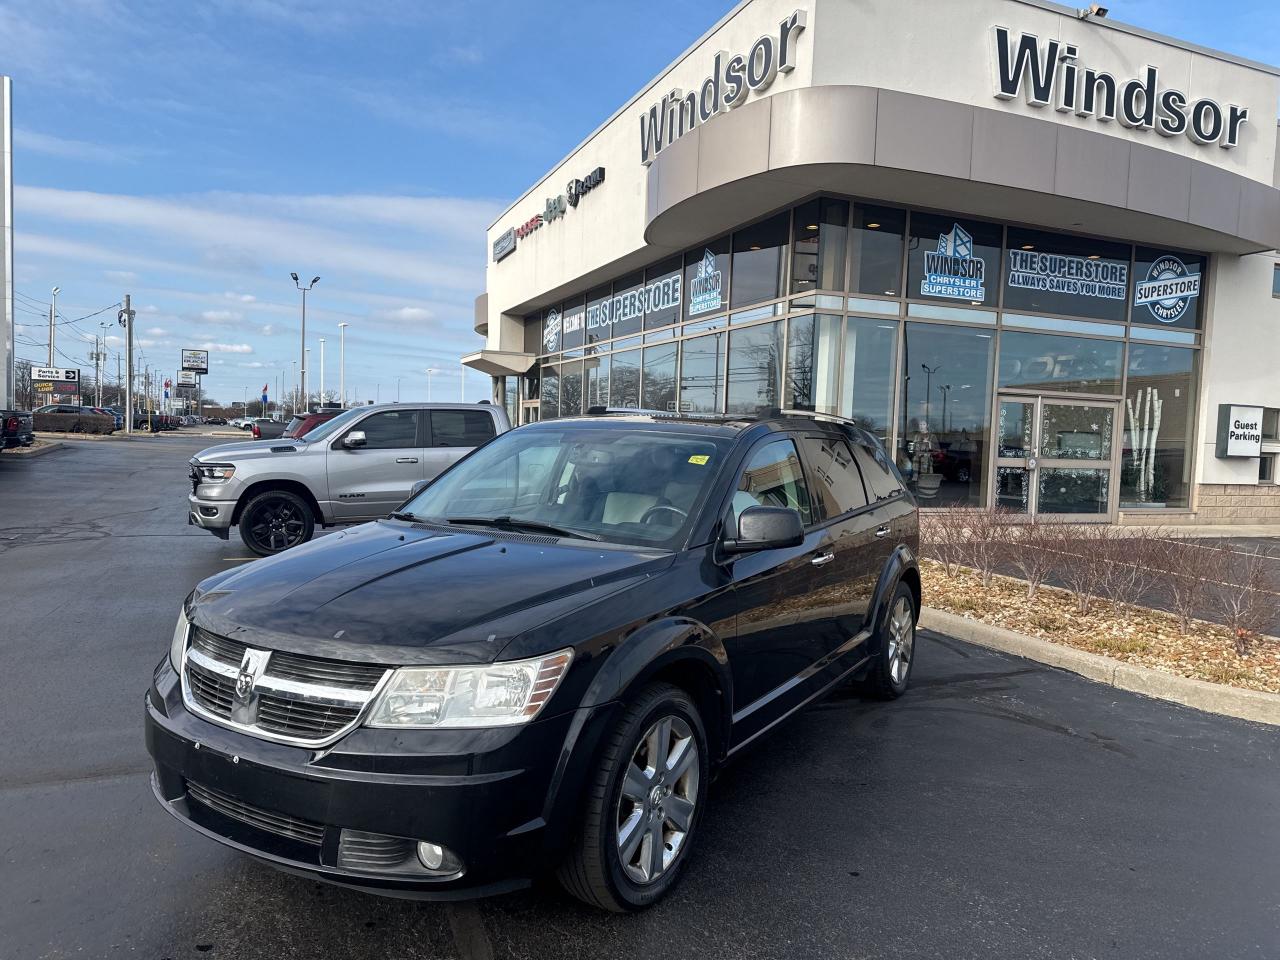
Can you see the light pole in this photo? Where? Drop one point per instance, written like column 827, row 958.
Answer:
column 53, row 313
column 398, row 379
column 928, row 388
column 306, row 399
column 945, row 390
column 430, row 373
column 462, row 383
column 302, row 382
column 295, row 384
column 322, row 371
column 342, row 364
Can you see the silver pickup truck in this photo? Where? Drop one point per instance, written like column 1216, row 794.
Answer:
column 358, row 466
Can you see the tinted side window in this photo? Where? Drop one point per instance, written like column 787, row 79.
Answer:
column 877, row 472
column 389, row 430
column 460, row 428
column 837, row 483
column 772, row 478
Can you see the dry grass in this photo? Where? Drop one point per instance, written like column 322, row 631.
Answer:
column 1137, row 635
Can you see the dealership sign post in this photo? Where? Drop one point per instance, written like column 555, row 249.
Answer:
column 57, row 383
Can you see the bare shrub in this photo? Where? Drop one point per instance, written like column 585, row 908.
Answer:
column 1136, row 559
column 986, row 545
column 1240, row 593
column 1080, row 564
column 1035, row 550
column 1190, row 568
column 942, row 537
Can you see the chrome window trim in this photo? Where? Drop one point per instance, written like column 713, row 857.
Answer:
column 276, row 685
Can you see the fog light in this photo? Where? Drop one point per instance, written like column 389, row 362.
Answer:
column 438, row 859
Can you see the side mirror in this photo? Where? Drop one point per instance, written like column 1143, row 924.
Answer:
column 354, row 440
column 765, row 528
column 418, row 487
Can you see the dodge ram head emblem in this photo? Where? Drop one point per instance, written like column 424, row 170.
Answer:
column 252, row 665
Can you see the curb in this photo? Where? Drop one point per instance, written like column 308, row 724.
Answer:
column 1212, row 697
column 23, row 453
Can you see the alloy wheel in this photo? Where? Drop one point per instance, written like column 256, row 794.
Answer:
column 659, row 796
column 276, row 525
column 902, row 638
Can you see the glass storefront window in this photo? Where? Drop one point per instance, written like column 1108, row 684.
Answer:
column 946, row 413
column 953, row 259
column 1044, row 361
column 573, row 323
column 1055, row 273
column 1166, row 288
column 659, row 381
column 624, row 379
column 663, row 291
column 571, row 388
column 1159, row 424
column 876, row 261
column 706, row 279
column 755, row 368
column 819, row 243
column 701, row 374
column 595, row 382
column 759, row 259
column 869, row 370
column 549, row 393
column 813, row 363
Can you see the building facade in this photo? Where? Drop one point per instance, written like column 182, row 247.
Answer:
column 1030, row 248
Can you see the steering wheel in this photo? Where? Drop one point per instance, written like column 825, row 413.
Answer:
column 661, row 507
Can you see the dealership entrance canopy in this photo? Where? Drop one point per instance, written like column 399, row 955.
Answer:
column 1030, row 248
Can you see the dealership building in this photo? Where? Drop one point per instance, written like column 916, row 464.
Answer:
column 1030, row 248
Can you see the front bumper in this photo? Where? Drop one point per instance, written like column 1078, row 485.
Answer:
column 211, row 515
column 483, row 794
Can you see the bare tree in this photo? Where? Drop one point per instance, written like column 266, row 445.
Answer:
column 1034, row 550
column 944, row 537
column 1191, row 568
column 987, row 542
column 1241, row 593
column 1079, row 563
column 1134, row 562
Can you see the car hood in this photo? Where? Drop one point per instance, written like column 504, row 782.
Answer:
column 240, row 450
column 400, row 593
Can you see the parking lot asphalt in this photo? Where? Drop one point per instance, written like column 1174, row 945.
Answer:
column 1000, row 809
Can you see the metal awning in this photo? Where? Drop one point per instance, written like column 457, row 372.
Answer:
column 499, row 363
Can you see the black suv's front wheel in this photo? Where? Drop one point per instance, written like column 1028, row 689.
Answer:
column 643, row 806
column 276, row 520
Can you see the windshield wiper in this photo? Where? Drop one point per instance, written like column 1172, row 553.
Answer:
column 515, row 523
column 402, row 515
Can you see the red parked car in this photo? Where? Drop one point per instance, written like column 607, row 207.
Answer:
column 304, row 422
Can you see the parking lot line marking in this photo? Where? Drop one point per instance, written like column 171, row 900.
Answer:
column 468, row 932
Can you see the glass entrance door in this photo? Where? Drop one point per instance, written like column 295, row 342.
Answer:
column 1056, row 456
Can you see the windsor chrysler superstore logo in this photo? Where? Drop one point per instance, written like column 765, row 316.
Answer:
column 952, row 270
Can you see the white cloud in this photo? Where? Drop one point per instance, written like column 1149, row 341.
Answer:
column 240, row 297
column 220, row 316
column 158, row 332
column 120, row 276
column 226, row 347
column 408, row 314
column 267, row 330
column 252, row 364
column 50, row 146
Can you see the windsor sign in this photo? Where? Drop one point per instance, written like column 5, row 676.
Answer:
column 1050, row 73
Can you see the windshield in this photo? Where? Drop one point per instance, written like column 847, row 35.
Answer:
column 340, row 422
column 637, row 487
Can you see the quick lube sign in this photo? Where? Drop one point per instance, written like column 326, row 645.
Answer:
column 733, row 79
column 1050, row 73
column 1059, row 273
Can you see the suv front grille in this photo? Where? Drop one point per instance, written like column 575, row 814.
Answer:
column 278, row 696
column 280, row 824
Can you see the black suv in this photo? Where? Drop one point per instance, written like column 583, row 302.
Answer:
column 542, row 658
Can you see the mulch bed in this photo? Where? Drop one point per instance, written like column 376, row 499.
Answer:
column 1137, row 635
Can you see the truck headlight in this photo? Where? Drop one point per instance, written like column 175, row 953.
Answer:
column 177, row 646
column 215, row 472
column 494, row 695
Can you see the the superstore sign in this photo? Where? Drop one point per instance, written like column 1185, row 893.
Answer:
column 1060, row 273
column 952, row 270
column 1168, row 289
column 661, row 294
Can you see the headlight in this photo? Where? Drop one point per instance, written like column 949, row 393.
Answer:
column 215, row 472
column 496, row 695
column 179, row 642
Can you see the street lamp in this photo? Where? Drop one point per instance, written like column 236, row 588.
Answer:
column 342, row 364
column 295, row 386
column 53, row 313
column 398, row 379
column 945, row 390
column 431, row 371
column 302, row 382
column 322, row 371
column 928, row 388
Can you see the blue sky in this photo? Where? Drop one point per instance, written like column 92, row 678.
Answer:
column 194, row 153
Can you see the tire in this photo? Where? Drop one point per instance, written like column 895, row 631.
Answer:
column 601, row 871
column 890, row 673
column 274, row 521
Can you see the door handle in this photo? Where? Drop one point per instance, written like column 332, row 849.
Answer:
column 406, row 459
column 882, row 531
column 823, row 558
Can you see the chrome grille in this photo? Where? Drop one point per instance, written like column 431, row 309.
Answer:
column 280, row 824
column 286, row 697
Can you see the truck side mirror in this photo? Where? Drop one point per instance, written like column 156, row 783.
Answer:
column 354, row 440
column 765, row 528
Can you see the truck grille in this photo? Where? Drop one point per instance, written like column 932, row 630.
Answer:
column 278, row 823
column 294, row 699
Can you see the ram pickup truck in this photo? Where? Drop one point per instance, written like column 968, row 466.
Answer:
column 16, row 429
column 359, row 466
